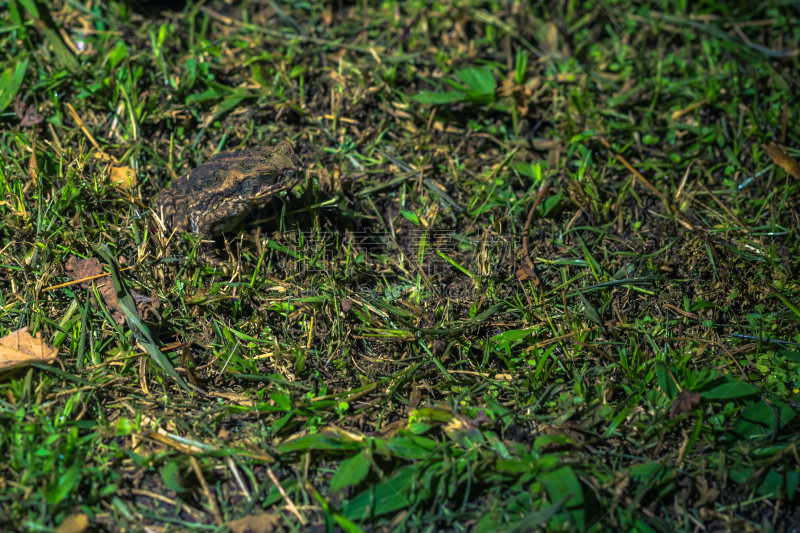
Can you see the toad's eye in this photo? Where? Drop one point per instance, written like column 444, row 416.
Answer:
column 267, row 177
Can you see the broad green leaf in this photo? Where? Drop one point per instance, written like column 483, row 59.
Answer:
column 701, row 304
column 10, row 82
column 529, row 170
column 537, row 518
column 205, row 96
column 761, row 420
column 351, row 472
column 513, row 466
column 596, row 268
column 346, row 525
column 125, row 426
column 792, row 480
column 480, row 81
column 117, row 54
column 434, row 98
column 171, row 475
column 579, row 138
column 740, row 475
column 642, row 527
column 551, row 204
column 665, row 381
column 504, row 340
column 511, row 335
column 388, row 496
column 30, row 7
column 728, row 388
column 545, row 440
column 189, row 75
column 562, row 483
column 282, row 400
column 45, row 24
column 488, row 523
column 227, row 104
column 645, row 471
column 591, row 311
column 324, row 440
column 792, row 356
column 411, row 217
column 771, row 486
column 56, row 492
column 411, row 447
column 245, row 337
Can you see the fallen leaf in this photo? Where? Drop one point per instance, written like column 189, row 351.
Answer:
column 83, row 269
column 76, row 523
column 707, row 494
column 124, row 177
column 521, row 94
column 19, row 349
column 26, row 113
column 686, row 485
column 686, row 110
column 33, row 166
column 782, row 159
column 256, row 523
column 525, row 273
column 684, row 402
column 79, row 269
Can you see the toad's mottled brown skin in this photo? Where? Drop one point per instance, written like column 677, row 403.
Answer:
column 216, row 196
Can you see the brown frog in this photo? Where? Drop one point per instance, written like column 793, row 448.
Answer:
column 216, row 196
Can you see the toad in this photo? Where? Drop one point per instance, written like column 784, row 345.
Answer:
column 214, row 197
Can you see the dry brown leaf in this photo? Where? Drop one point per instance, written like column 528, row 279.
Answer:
column 124, row 177
column 707, row 494
column 521, row 94
column 33, row 166
column 256, row 523
column 76, row 523
column 782, row 159
column 686, row 110
column 26, row 114
column 78, row 269
column 19, row 349
column 684, row 402
column 88, row 269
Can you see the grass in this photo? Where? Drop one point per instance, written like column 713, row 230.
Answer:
column 383, row 357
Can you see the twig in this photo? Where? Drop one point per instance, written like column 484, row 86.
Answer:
column 199, row 473
column 632, row 170
column 525, row 252
column 597, row 351
column 723, row 206
column 88, row 134
column 75, row 282
column 562, row 337
column 238, row 477
column 289, row 503
column 197, row 515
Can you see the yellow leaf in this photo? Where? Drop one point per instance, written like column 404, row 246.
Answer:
column 125, row 177
column 782, row 159
column 76, row 523
column 19, row 349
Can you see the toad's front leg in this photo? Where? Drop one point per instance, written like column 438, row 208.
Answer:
column 208, row 255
